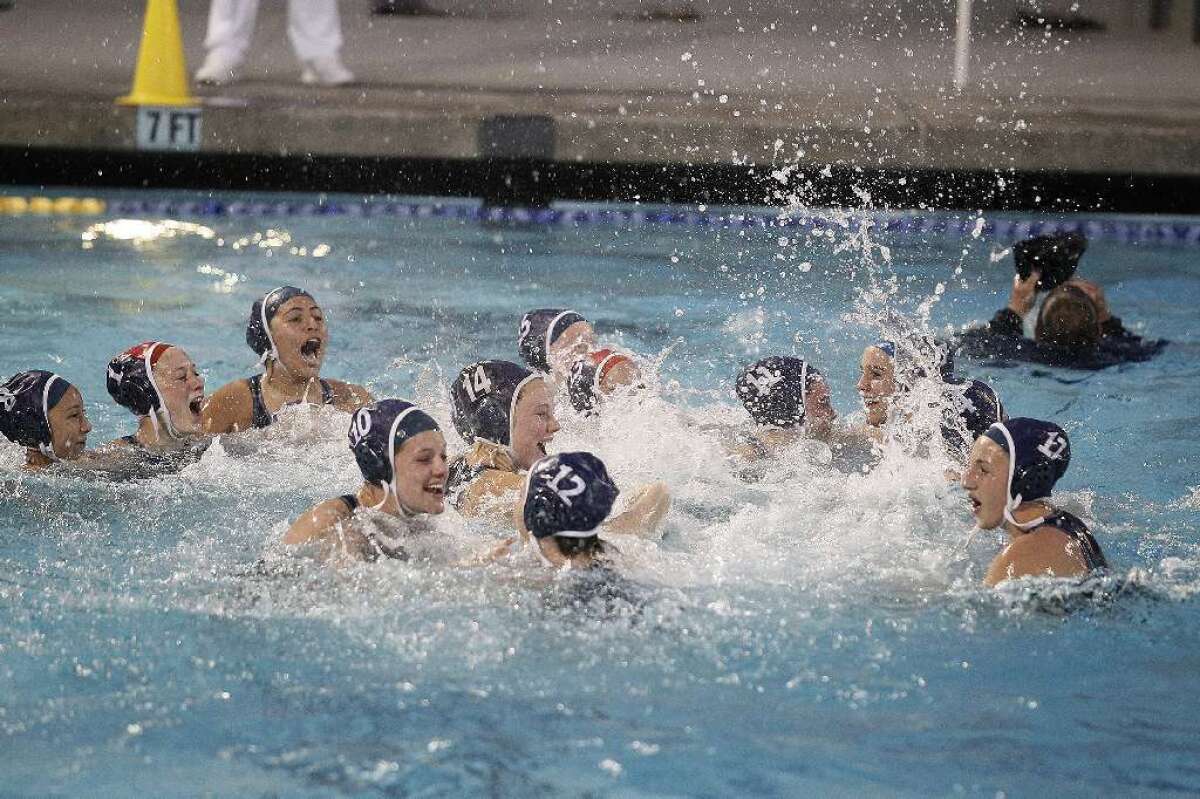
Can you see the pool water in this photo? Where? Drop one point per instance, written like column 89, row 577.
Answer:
column 812, row 633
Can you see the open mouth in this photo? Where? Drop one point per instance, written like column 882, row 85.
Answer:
column 195, row 404
column 311, row 350
column 542, row 447
column 975, row 505
column 437, row 489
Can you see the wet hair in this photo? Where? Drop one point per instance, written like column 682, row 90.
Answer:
column 258, row 329
column 26, row 400
column 483, row 400
column 1068, row 318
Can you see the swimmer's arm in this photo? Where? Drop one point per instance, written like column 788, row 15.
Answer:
column 645, row 514
column 318, row 523
column 1044, row 553
column 348, row 396
column 491, row 496
column 228, row 410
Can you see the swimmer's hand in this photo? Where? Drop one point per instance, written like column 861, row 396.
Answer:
column 644, row 514
column 1023, row 294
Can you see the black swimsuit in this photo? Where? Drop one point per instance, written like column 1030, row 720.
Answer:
column 376, row 550
column 261, row 417
column 1078, row 532
column 461, row 475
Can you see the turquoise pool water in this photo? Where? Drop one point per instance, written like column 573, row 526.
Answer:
column 815, row 633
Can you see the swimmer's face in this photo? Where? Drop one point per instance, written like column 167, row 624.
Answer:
column 576, row 340
column 182, row 389
column 986, row 482
column 69, row 425
column 877, row 384
column 533, row 424
column 421, row 472
column 622, row 374
column 298, row 328
column 818, row 410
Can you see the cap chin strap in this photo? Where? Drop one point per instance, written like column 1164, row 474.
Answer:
column 550, row 330
column 389, row 487
column 147, row 356
column 512, row 408
column 273, row 352
column 48, row 449
column 1014, row 502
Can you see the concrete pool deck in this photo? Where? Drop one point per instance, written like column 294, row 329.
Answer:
column 776, row 87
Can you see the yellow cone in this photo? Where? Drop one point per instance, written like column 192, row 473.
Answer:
column 161, row 74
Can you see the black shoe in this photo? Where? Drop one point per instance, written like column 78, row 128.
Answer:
column 406, row 8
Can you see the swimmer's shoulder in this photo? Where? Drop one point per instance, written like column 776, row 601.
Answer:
column 318, row 522
column 348, row 397
column 1046, row 551
column 229, row 409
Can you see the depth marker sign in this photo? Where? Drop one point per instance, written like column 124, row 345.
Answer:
column 168, row 128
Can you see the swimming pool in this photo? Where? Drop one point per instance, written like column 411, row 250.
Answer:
column 815, row 634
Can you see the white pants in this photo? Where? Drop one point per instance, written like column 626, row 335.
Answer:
column 313, row 28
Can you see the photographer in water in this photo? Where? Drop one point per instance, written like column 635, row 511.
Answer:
column 1073, row 328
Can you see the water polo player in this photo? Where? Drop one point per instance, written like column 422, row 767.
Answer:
column 1012, row 469
column 788, row 399
column 567, row 497
column 549, row 340
column 505, row 414
column 287, row 331
column 1074, row 326
column 44, row 413
column 159, row 384
column 599, row 374
column 402, row 456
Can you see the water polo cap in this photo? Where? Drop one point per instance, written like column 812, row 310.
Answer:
column 131, row 382
column 377, row 431
column 972, row 405
column 583, row 386
column 483, row 400
column 25, row 403
column 1038, row 455
column 775, row 390
column 1056, row 256
column 568, row 495
column 258, row 329
column 539, row 329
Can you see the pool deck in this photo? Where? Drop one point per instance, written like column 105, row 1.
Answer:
column 777, row 86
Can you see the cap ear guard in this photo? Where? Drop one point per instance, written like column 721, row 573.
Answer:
column 258, row 329
column 375, row 447
column 1035, row 472
column 483, row 400
column 26, row 399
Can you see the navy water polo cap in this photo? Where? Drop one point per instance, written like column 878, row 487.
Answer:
column 258, row 329
column 973, row 406
column 130, row 379
column 25, row 403
column 583, row 385
column 775, row 390
column 539, row 329
column 483, row 400
column 1038, row 455
column 1056, row 256
column 568, row 495
column 378, row 430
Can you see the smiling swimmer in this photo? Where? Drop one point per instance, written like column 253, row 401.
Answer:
column 158, row 382
column 287, row 330
column 505, row 414
column 402, row 456
column 42, row 412
column 1012, row 469
column 550, row 339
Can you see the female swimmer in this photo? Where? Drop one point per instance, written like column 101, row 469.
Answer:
column 549, row 340
column 566, row 498
column 402, row 456
column 287, row 330
column 787, row 399
column 44, row 413
column 1012, row 469
column 504, row 412
column 600, row 374
column 159, row 383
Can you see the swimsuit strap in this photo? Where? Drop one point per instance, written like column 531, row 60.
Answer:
column 326, row 393
column 460, row 475
column 260, row 416
column 1073, row 527
column 351, row 501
